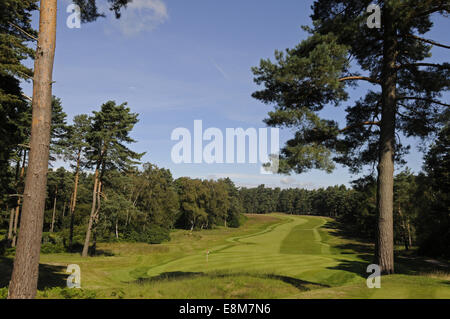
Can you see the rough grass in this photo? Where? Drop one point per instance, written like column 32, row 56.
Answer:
column 271, row 256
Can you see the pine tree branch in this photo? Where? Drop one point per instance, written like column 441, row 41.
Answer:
column 23, row 31
column 363, row 78
column 422, row 99
column 403, row 66
column 428, row 41
column 442, row 7
column 360, row 124
column 27, row 97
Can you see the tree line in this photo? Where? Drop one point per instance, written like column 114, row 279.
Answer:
column 106, row 195
column 421, row 203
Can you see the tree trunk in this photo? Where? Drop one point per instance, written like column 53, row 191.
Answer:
column 26, row 263
column 73, row 202
column 64, row 209
column 17, row 210
column 12, row 214
column 16, row 223
column 385, row 187
column 96, row 217
column 91, row 217
column 404, row 228
column 408, row 228
column 117, row 229
column 54, row 211
column 11, row 224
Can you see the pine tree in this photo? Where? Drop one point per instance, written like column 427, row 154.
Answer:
column 107, row 137
column 16, row 31
column 404, row 97
column 26, row 263
column 74, row 151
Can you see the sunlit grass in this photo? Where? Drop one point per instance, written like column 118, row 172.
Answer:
column 270, row 256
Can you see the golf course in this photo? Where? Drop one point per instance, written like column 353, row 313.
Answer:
column 270, row 256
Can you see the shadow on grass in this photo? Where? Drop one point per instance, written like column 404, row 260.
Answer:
column 406, row 262
column 49, row 276
column 301, row 285
column 78, row 248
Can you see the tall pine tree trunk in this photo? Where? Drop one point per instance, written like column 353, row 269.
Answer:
column 96, row 217
column 385, row 187
column 26, row 263
column 73, row 202
column 92, row 216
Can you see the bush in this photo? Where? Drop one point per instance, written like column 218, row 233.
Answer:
column 152, row 235
column 4, row 244
column 52, row 248
column 4, row 293
column 67, row 293
column 236, row 220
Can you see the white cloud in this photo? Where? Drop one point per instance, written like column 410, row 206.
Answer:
column 142, row 16
column 287, row 180
column 253, row 180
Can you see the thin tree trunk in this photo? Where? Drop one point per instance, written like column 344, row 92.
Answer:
column 385, row 187
column 26, row 263
column 54, row 211
column 408, row 228
column 16, row 223
column 117, row 229
column 64, row 209
column 12, row 214
column 91, row 217
column 17, row 210
column 11, row 223
column 73, row 202
column 96, row 217
column 404, row 228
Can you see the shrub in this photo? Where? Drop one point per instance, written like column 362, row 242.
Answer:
column 67, row 293
column 152, row 235
column 4, row 244
column 52, row 248
column 3, row 293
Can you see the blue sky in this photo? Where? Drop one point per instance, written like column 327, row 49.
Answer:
column 176, row 61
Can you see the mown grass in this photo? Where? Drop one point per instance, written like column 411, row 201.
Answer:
column 271, row 256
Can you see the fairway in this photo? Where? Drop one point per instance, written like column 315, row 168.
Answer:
column 271, row 256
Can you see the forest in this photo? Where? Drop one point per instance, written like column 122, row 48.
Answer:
column 105, row 195
column 421, row 202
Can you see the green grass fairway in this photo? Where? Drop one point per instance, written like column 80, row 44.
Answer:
column 271, row 256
